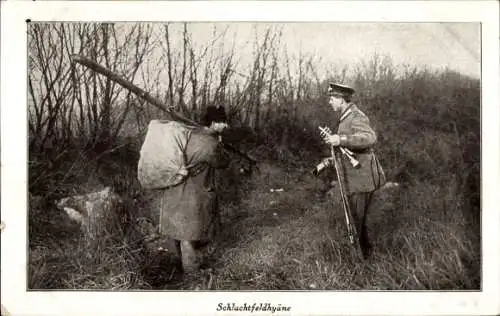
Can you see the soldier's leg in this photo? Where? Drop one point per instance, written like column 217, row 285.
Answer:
column 190, row 262
column 360, row 203
column 215, row 225
column 174, row 245
column 364, row 237
column 217, row 217
column 356, row 202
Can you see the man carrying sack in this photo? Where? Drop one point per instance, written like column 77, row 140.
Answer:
column 179, row 162
column 360, row 179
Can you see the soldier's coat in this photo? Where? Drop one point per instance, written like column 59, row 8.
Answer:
column 189, row 211
column 360, row 137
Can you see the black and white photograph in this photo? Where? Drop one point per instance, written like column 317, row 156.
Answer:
column 114, row 108
column 188, row 156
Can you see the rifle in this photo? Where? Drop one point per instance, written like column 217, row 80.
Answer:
column 351, row 228
column 149, row 98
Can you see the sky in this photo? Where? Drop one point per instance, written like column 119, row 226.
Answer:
column 436, row 45
column 332, row 46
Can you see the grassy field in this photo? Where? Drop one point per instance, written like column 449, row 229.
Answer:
column 293, row 239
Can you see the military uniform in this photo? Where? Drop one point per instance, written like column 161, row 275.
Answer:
column 357, row 135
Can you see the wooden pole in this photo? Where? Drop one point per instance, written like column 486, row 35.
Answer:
column 148, row 97
column 130, row 86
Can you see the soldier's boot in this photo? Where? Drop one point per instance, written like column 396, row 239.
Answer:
column 190, row 261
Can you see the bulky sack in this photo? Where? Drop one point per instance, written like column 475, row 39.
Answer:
column 162, row 161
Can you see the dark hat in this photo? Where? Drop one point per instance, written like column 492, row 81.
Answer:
column 340, row 88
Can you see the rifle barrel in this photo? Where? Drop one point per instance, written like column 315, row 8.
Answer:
column 236, row 151
column 351, row 230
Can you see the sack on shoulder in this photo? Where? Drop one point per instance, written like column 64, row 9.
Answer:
column 162, row 160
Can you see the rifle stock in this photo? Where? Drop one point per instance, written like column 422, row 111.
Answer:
column 149, row 98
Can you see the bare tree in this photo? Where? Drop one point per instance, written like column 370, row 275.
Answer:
column 182, row 84
column 170, row 91
column 193, row 77
column 65, row 99
column 48, row 82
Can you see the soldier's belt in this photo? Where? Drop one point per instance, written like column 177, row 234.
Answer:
column 361, row 151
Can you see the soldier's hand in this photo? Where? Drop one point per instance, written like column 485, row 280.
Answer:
column 333, row 140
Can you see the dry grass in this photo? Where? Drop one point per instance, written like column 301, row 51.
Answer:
column 290, row 240
column 295, row 240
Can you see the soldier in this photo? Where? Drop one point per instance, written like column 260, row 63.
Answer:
column 355, row 133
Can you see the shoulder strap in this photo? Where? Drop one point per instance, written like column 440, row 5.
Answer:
column 344, row 114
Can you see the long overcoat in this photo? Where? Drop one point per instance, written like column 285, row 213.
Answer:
column 189, row 211
column 358, row 136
